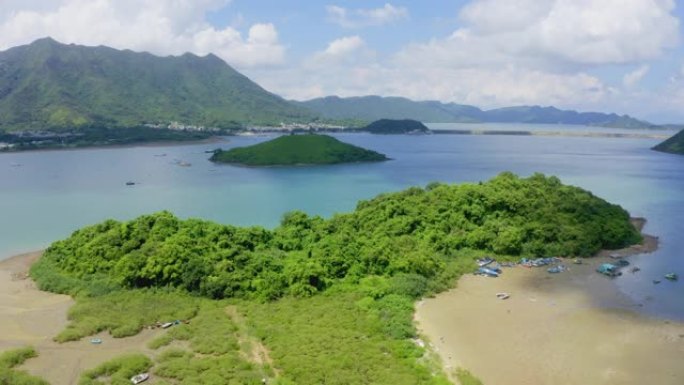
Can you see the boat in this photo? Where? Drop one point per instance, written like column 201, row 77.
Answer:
column 556, row 269
column 95, row 341
column 503, row 295
column 608, row 269
column 656, row 281
column 577, row 261
column 166, row 325
column 622, row 262
column 130, row 183
column 634, row 269
column 487, row 272
column 138, row 378
column 482, row 262
column 615, row 256
column 671, row 276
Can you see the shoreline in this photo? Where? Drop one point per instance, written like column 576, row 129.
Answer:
column 160, row 143
column 575, row 327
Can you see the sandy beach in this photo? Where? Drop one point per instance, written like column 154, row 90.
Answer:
column 32, row 317
column 569, row 328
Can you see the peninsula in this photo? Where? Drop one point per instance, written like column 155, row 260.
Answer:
column 289, row 150
column 673, row 145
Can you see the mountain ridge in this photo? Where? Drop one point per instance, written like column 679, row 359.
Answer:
column 374, row 107
column 50, row 85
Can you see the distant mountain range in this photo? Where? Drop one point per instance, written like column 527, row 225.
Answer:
column 369, row 108
column 49, row 85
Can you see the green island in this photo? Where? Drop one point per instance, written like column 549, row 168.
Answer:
column 673, row 145
column 313, row 300
column 396, row 126
column 290, row 150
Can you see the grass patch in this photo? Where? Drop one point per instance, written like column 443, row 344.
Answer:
column 9, row 360
column 117, row 371
column 125, row 313
column 341, row 338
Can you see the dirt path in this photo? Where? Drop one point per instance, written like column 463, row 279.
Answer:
column 250, row 347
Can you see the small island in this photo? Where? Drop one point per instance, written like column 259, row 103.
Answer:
column 290, row 150
column 673, row 145
column 396, row 126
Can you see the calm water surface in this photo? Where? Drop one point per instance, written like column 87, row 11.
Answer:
column 44, row 196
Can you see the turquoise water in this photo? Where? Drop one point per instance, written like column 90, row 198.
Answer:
column 44, row 196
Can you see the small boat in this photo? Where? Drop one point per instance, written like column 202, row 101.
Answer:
column 95, row 341
column 130, row 183
column 503, row 295
column 656, row 281
column 166, row 325
column 487, row 272
column 577, row 261
column 671, row 276
column 622, row 262
column 138, row 378
column 555, row 269
column 634, row 269
column 482, row 262
column 608, row 269
column 615, row 256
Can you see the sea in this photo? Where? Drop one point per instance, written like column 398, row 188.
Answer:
column 46, row 195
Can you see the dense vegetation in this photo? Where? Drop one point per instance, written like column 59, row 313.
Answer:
column 674, row 145
column 307, row 149
column 412, row 241
column 368, row 267
column 370, row 108
column 9, row 360
column 48, row 85
column 395, row 126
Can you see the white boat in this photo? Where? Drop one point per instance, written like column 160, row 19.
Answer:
column 138, row 378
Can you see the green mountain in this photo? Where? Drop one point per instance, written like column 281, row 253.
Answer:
column 48, row 85
column 290, row 150
column 673, row 145
column 396, row 126
column 370, row 108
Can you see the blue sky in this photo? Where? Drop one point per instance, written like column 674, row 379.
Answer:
column 604, row 55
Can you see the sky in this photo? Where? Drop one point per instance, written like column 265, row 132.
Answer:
column 624, row 56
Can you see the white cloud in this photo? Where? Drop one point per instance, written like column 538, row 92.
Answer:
column 344, row 45
column 502, row 53
column 159, row 26
column 366, row 17
column 577, row 31
column 632, row 78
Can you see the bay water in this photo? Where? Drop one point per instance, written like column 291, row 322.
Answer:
column 46, row 195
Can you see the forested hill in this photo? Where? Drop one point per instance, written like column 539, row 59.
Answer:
column 413, row 241
column 370, row 108
column 290, row 150
column 48, row 85
column 674, row 145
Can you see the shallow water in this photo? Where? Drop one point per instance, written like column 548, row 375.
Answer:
column 46, row 195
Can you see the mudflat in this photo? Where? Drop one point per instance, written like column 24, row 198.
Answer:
column 569, row 328
column 32, row 317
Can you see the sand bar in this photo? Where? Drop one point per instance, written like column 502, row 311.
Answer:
column 569, row 328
